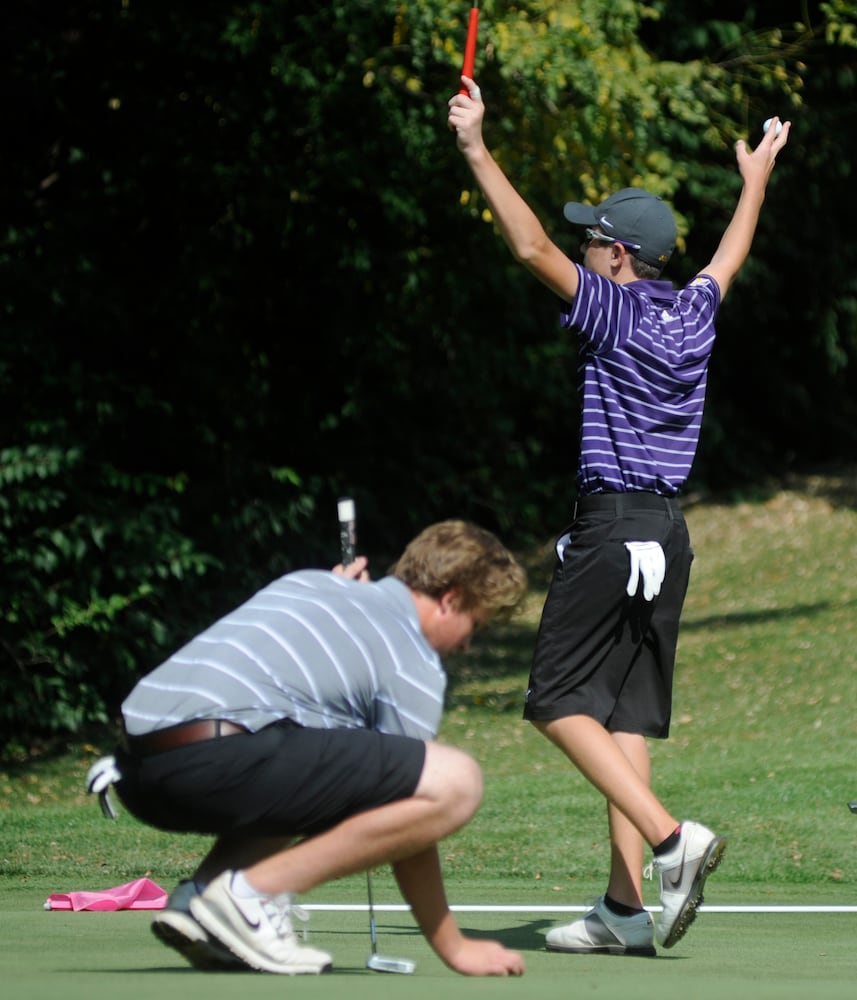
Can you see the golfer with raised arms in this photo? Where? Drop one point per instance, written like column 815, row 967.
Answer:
column 602, row 673
column 311, row 712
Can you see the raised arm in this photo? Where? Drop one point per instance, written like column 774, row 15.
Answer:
column 518, row 224
column 755, row 168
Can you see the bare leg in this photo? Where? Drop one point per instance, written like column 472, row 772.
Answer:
column 404, row 833
column 447, row 796
column 607, row 765
column 626, row 843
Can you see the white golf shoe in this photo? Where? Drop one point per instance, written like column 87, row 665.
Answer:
column 258, row 930
column 176, row 928
column 602, row 931
column 682, row 874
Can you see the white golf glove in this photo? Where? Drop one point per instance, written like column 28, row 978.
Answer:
column 99, row 778
column 647, row 561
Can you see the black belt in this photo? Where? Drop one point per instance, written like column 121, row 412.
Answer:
column 620, row 502
column 162, row 740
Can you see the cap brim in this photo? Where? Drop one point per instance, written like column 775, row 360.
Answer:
column 579, row 215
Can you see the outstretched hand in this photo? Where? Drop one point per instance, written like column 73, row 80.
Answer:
column 466, row 112
column 756, row 166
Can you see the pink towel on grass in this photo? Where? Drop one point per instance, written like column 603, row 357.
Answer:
column 141, row 894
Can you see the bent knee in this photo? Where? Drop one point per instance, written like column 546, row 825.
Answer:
column 453, row 779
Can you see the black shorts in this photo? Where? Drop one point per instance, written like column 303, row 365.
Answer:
column 284, row 780
column 600, row 653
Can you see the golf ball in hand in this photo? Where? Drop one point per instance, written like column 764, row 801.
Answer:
column 767, row 125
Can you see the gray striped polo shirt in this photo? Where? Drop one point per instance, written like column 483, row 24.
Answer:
column 643, row 359
column 314, row 647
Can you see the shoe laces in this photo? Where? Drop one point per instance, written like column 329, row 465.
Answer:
column 303, row 916
column 280, row 910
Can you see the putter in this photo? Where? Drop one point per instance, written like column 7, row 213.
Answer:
column 853, row 806
column 383, row 963
column 348, row 544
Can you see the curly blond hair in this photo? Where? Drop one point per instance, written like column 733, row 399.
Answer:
column 459, row 555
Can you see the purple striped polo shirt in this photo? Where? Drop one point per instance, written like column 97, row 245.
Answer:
column 643, row 353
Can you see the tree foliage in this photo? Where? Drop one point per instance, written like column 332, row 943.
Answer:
column 243, row 270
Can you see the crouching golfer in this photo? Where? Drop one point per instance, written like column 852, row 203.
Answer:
column 299, row 730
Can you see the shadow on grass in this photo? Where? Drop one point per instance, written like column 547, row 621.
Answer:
column 175, row 970
column 529, row 937
column 759, row 617
column 525, row 936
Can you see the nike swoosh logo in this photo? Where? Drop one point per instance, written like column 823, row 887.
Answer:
column 676, row 882
column 253, row 925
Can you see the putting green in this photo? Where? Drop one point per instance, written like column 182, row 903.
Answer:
column 80, row 955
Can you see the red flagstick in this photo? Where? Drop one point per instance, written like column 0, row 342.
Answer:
column 470, row 46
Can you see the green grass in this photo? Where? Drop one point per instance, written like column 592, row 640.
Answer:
column 762, row 749
column 86, row 955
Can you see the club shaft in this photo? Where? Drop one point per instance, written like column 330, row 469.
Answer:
column 348, row 542
column 373, row 933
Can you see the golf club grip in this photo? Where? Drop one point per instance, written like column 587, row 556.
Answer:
column 347, row 530
column 470, row 46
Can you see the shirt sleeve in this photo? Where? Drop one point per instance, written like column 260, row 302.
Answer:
column 603, row 314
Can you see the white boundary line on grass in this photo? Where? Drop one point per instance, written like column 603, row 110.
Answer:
column 466, row 908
